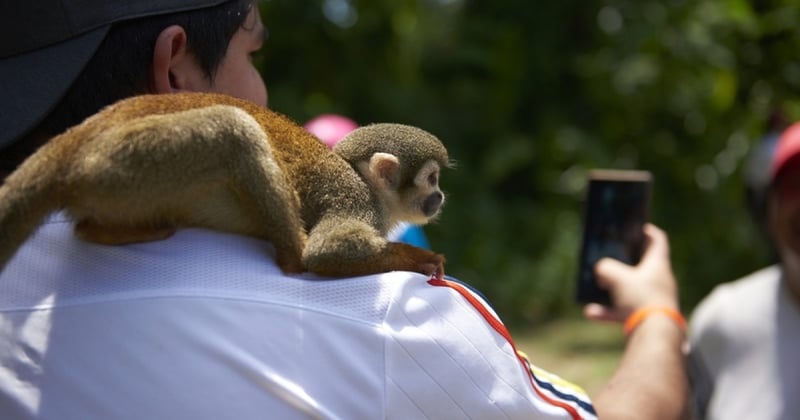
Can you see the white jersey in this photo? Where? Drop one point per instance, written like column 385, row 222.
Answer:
column 203, row 325
column 745, row 342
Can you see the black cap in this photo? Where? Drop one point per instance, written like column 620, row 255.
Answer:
column 45, row 44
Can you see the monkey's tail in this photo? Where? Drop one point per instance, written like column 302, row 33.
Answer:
column 27, row 196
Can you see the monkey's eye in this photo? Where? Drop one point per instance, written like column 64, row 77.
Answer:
column 433, row 178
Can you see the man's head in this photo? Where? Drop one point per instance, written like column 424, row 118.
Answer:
column 63, row 60
column 784, row 203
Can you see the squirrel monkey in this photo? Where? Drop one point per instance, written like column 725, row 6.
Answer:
column 147, row 165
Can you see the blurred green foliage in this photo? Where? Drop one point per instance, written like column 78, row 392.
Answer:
column 530, row 95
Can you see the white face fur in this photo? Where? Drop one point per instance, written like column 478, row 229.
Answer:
column 416, row 203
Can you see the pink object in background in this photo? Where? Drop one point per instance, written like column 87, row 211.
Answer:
column 330, row 128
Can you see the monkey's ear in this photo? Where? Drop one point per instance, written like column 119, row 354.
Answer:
column 384, row 169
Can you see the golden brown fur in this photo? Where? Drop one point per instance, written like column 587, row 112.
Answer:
column 147, row 165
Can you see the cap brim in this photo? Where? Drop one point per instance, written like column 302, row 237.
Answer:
column 38, row 80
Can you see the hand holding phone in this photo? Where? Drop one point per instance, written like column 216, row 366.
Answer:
column 616, row 209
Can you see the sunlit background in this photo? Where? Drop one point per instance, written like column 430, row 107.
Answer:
column 529, row 95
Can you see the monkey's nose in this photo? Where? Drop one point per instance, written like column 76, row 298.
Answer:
column 432, row 203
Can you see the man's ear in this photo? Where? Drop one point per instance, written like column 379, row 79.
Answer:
column 384, row 169
column 173, row 68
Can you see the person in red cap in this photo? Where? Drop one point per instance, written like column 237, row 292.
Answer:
column 204, row 325
column 745, row 336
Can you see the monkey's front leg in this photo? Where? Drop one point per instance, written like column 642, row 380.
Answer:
column 417, row 259
column 340, row 246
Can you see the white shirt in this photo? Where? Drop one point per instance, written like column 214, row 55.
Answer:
column 745, row 340
column 203, row 325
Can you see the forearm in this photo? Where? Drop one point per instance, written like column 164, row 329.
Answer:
column 651, row 381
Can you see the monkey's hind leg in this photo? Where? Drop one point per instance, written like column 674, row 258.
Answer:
column 260, row 185
column 91, row 231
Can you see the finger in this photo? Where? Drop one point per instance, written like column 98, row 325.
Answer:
column 657, row 244
column 598, row 312
column 608, row 270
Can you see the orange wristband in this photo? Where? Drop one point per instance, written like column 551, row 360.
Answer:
column 641, row 314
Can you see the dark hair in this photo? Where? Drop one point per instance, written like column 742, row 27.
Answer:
column 119, row 68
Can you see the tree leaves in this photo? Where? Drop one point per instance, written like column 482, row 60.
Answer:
column 530, row 95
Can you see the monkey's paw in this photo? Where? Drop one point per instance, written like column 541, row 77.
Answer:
column 428, row 263
column 434, row 268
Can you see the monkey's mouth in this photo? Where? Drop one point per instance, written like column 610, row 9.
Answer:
column 432, row 204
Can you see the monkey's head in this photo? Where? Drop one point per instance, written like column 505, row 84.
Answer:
column 402, row 164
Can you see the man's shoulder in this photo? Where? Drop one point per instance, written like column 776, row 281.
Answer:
column 756, row 291
column 197, row 263
column 759, row 283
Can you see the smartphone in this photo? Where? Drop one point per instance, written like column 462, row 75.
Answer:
column 616, row 208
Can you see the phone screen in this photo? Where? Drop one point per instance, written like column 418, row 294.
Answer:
column 617, row 206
